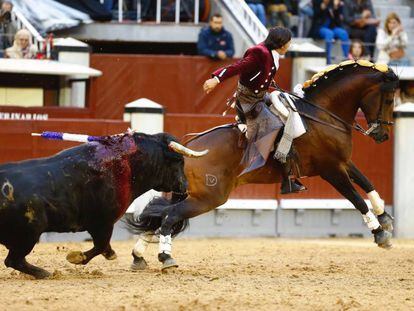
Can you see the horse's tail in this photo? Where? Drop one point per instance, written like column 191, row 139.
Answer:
column 151, row 218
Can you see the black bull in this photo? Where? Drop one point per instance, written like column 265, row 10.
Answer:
column 85, row 188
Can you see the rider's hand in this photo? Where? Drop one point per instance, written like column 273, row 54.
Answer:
column 397, row 30
column 222, row 55
column 210, row 84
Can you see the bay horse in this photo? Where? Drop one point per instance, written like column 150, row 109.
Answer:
column 331, row 101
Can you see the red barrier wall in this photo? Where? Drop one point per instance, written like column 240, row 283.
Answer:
column 172, row 81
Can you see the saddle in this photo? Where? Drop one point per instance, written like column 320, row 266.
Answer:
column 292, row 155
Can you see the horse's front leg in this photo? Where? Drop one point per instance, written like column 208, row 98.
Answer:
column 341, row 181
column 385, row 219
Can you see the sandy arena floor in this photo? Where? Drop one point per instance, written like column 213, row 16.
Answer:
column 225, row 274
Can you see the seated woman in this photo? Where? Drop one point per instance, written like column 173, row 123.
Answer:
column 279, row 12
column 22, row 46
column 357, row 50
column 392, row 42
column 327, row 24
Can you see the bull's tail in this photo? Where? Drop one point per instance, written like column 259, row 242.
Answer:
column 151, row 217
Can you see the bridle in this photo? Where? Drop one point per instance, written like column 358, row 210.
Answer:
column 386, row 87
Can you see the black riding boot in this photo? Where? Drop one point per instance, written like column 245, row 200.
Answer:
column 289, row 185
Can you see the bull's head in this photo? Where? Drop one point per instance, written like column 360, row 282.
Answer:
column 170, row 164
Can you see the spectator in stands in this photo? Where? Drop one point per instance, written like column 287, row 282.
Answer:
column 108, row 4
column 357, row 50
column 214, row 41
column 407, row 92
column 7, row 25
column 279, row 12
column 258, row 8
column 361, row 22
column 327, row 24
column 392, row 42
column 22, row 46
column 305, row 17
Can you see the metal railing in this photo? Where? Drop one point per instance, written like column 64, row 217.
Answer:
column 22, row 22
column 158, row 18
column 247, row 19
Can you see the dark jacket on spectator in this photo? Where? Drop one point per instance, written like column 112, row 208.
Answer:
column 353, row 10
column 255, row 1
column 321, row 17
column 210, row 42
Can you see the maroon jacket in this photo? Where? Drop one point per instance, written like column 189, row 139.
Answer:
column 256, row 69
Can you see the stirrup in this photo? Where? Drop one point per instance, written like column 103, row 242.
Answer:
column 292, row 186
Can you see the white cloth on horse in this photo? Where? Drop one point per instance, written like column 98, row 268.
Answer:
column 298, row 90
column 294, row 126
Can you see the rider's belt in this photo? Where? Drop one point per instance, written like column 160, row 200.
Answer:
column 246, row 96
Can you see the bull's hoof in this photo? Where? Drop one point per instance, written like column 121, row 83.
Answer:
column 139, row 263
column 41, row 274
column 386, row 221
column 383, row 239
column 110, row 256
column 77, row 257
column 169, row 264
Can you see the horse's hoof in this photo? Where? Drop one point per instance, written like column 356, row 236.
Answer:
column 383, row 239
column 76, row 257
column 169, row 264
column 386, row 221
column 139, row 263
column 111, row 256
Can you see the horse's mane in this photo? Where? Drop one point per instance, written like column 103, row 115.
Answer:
column 316, row 80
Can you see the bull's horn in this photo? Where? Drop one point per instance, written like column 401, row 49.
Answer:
column 186, row 151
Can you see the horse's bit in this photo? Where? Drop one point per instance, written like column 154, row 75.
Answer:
column 386, row 87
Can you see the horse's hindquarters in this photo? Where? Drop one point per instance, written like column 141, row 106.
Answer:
column 214, row 176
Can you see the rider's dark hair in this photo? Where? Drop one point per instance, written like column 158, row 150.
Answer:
column 277, row 37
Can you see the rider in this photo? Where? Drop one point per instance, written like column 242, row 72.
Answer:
column 256, row 71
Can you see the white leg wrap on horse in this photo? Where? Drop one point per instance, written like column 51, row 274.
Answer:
column 377, row 202
column 371, row 220
column 165, row 244
column 142, row 244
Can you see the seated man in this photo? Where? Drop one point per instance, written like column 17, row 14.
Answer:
column 8, row 27
column 214, row 41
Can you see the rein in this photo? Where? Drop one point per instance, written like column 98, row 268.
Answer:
column 356, row 126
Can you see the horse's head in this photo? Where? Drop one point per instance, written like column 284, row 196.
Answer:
column 377, row 104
